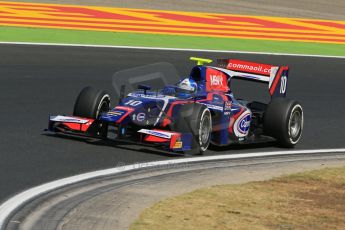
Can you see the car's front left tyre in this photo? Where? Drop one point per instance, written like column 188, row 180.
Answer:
column 91, row 103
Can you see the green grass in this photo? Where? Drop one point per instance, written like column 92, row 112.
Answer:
column 20, row 34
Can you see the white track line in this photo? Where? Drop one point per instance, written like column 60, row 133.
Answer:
column 168, row 49
column 12, row 204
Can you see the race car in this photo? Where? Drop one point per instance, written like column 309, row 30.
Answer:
column 196, row 112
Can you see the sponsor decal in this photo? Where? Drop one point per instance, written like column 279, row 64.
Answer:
column 249, row 67
column 283, row 83
column 227, row 105
column 141, row 117
column 216, row 80
column 115, row 113
column 216, row 107
column 152, row 96
column 178, row 145
column 72, row 120
column 158, row 134
column 68, row 119
column 133, row 103
column 242, row 125
column 161, row 134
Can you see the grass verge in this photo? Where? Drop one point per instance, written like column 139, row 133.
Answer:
column 312, row 200
column 20, row 34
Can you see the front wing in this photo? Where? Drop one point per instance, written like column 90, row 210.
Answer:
column 79, row 126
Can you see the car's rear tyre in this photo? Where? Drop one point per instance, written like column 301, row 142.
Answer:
column 91, row 103
column 284, row 120
column 196, row 119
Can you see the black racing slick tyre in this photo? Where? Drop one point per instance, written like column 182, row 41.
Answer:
column 284, row 120
column 196, row 119
column 91, row 103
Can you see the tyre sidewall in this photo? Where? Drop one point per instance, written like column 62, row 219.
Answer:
column 204, row 145
column 89, row 102
column 296, row 106
column 277, row 121
column 189, row 121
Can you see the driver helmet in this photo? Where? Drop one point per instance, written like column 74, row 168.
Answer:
column 187, row 85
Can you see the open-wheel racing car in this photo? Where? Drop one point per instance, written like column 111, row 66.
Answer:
column 197, row 111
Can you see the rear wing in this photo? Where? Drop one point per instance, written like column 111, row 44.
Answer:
column 275, row 76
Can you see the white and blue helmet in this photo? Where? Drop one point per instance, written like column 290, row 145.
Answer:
column 187, row 85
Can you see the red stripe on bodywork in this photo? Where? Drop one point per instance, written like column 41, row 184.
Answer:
column 150, row 138
column 128, row 109
column 277, row 78
column 174, row 139
column 78, row 126
column 166, row 120
column 233, row 119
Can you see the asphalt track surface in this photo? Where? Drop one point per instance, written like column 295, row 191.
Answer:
column 37, row 81
column 113, row 201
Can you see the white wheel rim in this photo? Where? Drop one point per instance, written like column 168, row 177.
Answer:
column 295, row 127
column 205, row 130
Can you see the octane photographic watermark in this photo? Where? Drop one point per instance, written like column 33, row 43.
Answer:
column 157, row 76
column 149, row 80
column 153, row 165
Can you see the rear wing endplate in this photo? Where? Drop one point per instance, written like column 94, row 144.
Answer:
column 275, row 76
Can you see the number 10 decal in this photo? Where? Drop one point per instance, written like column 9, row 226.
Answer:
column 283, row 83
column 133, row 103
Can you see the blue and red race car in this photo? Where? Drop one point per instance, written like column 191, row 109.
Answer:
column 197, row 111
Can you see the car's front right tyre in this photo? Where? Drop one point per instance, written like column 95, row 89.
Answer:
column 196, row 119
